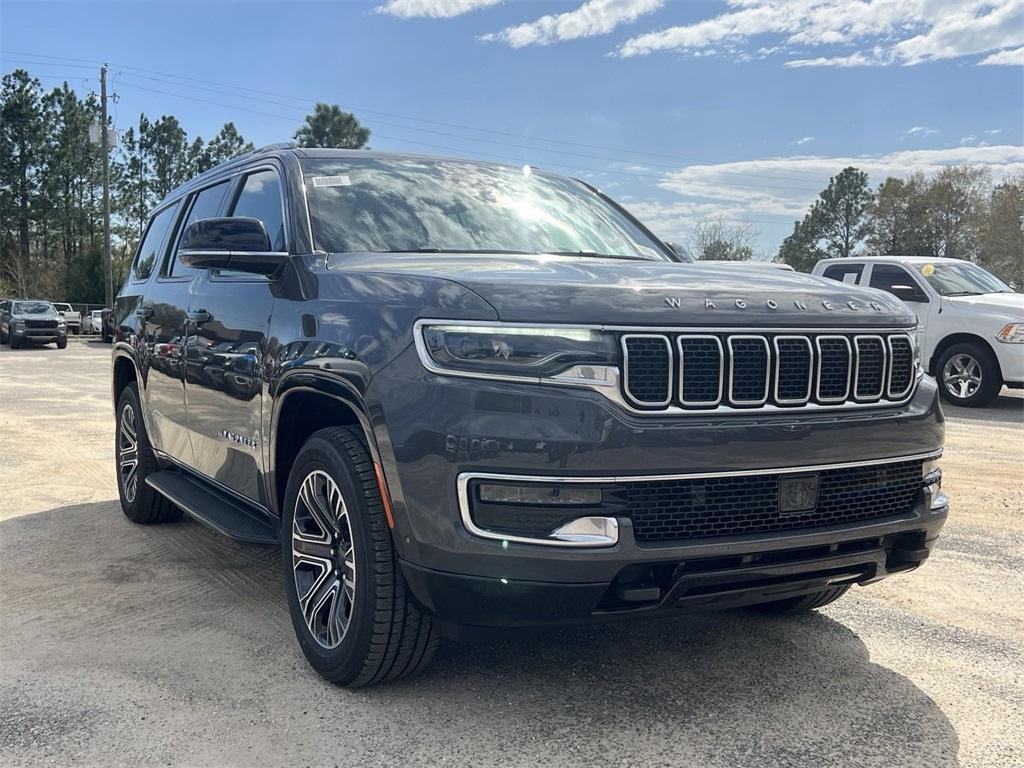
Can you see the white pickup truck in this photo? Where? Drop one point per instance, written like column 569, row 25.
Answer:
column 971, row 322
column 72, row 319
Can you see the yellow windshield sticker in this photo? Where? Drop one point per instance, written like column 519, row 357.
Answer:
column 928, row 270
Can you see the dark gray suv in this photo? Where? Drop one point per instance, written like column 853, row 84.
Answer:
column 31, row 321
column 465, row 397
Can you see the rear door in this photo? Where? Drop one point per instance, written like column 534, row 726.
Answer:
column 229, row 319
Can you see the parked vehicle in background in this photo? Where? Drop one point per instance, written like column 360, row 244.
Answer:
column 72, row 318
column 749, row 264
column 93, row 322
column 31, row 321
column 461, row 396
column 971, row 322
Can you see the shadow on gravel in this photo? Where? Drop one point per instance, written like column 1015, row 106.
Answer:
column 1005, row 409
column 188, row 616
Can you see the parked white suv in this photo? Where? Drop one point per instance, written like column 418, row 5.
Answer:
column 972, row 323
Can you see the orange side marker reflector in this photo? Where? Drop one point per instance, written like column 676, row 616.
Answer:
column 384, row 495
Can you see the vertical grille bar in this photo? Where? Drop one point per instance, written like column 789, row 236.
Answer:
column 701, row 370
column 834, row 363
column 869, row 368
column 749, row 370
column 793, row 369
column 647, row 363
column 901, row 366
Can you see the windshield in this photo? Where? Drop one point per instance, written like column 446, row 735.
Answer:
column 33, row 308
column 964, row 279
column 415, row 204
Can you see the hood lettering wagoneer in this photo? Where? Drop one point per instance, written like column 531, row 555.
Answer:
column 464, row 395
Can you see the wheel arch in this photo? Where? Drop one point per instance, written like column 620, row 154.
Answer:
column 961, row 338
column 303, row 404
column 125, row 371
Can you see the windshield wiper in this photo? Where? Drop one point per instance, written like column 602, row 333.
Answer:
column 457, row 250
column 965, row 293
column 596, row 255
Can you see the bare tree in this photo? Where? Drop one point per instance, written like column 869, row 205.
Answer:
column 720, row 240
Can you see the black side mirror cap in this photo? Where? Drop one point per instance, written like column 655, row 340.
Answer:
column 239, row 243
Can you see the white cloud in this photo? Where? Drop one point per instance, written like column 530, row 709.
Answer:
column 966, row 140
column 435, row 9
column 1009, row 58
column 782, row 188
column 804, row 140
column 595, row 17
column 993, row 131
column 880, row 32
column 921, row 130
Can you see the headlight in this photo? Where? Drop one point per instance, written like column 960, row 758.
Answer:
column 1011, row 333
column 521, row 352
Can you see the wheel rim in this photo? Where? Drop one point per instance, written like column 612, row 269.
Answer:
column 962, row 375
column 323, row 559
column 128, row 453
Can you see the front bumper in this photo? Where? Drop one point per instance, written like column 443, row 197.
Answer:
column 431, row 430
column 39, row 335
column 1011, row 361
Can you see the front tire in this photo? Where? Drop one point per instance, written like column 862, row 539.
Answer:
column 135, row 461
column 62, row 343
column 968, row 376
column 803, row 603
column 349, row 604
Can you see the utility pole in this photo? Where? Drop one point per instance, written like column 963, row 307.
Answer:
column 105, row 145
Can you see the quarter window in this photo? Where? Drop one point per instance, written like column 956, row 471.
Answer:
column 844, row 273
column 897, row 281
column 152, row 244
column 260, row 198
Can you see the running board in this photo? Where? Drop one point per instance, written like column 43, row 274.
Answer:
column 212, row 508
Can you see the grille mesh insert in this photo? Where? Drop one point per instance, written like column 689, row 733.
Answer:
column 749, row 368
column 870, row 369
column 701, row 368
column 901, row 369
column 648, row 367
column 794, row 369
column 672, row 510
column 834, row 368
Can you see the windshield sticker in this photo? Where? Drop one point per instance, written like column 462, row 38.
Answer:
column 928, row 270
column 331, row 181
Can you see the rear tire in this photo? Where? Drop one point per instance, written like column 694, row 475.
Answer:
column 136, row 461
column 803, row 603
column 62, row 343
column 968, row 375
column 350, row 606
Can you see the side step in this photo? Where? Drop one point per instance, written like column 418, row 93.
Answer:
column 211, row 508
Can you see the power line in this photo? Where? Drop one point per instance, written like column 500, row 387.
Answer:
column 131, row 70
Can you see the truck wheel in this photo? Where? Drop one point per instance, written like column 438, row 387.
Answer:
column 803, row 603
column 349, row 604
column 13, row 341
column 62, row 343
column 968, row 375
column 135, row 461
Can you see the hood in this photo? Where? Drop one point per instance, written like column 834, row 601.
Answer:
column 621, row 292
column 1008, row 305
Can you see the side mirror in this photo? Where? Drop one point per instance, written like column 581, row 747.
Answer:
column 238, row 243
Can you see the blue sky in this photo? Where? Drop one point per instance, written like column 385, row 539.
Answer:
column 682, row 110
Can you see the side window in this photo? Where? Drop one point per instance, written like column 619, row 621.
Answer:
column 205, row 205
column 898, row 282
column 844, row 273
column 260, row 198
column 152, row 243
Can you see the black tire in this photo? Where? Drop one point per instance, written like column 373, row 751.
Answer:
column 62, row 343
column 803, row 603
column 976, row 360
column 14, row 342
column 140, row 503
column 386, row 636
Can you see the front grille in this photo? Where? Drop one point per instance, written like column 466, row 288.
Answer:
column 672, row 510
column 696, row 371
column 40, row 323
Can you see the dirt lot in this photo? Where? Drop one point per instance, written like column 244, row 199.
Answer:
column 123, row 645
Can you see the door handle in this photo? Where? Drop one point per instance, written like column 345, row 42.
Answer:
column 145, row 313
column 199, row 317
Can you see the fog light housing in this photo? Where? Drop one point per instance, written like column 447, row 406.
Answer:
column 931, row 477
column 539, row 494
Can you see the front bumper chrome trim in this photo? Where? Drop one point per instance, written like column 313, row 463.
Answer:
column 464, row 479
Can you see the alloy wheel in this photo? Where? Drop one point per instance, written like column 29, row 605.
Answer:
column 323, row 559
column 128, row 453
column 961, row 375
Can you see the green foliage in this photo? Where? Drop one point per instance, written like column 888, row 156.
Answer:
column 329, row 126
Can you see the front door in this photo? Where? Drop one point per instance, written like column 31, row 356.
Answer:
column 229, row 318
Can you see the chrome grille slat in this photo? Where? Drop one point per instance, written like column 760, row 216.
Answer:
column 648, row 369
column 732, row 371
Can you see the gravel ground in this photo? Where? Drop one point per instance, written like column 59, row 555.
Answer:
column 124, row 645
